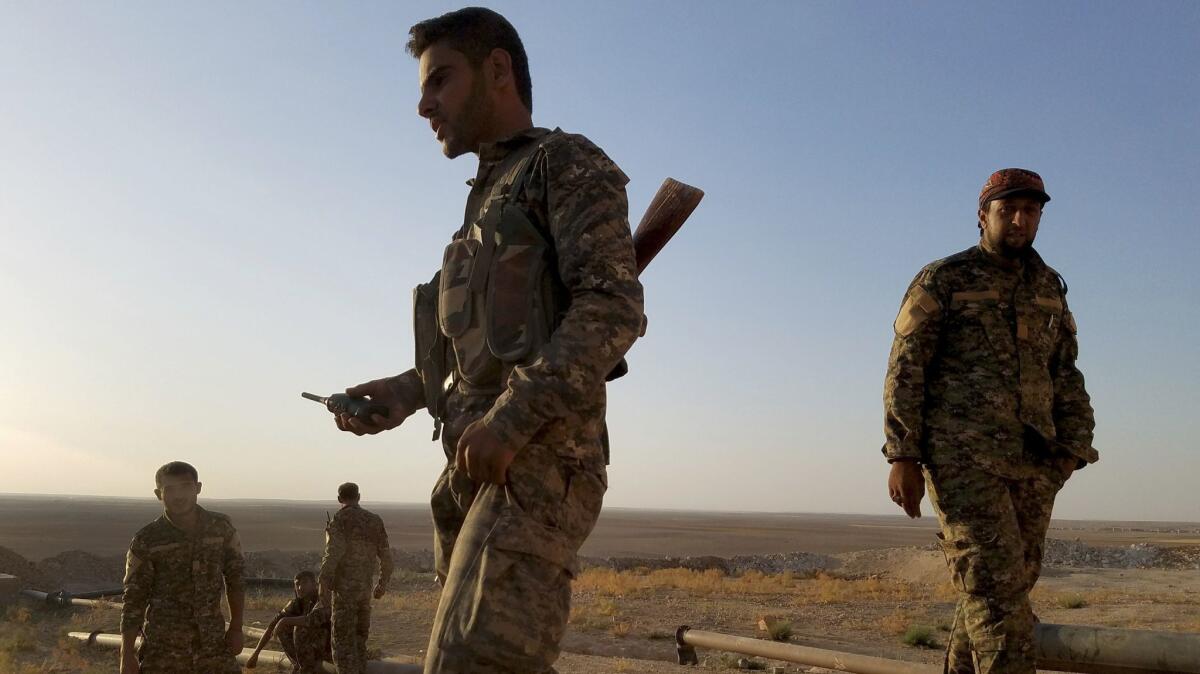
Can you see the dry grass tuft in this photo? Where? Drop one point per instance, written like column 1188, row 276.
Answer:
column 621, row 629
column 897, row 622
column 821, row 588
column 1071, row 601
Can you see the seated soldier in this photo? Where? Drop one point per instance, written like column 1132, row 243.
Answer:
column 303, row 629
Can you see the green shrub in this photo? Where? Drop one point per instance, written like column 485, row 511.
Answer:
column 919, row 636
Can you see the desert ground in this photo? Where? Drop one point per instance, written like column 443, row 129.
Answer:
column 860, row 583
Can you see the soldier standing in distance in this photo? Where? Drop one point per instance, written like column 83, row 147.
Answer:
column 174, row 573
column 353, row 541
column 983, row 396
column 536, row 303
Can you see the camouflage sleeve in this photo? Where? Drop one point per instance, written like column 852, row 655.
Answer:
column 1074, row 419
column 233, row 564
column 916, row 335
column 292, row 609
column 588, row 218
column 139, row 580
column 408, row 386
column 335, row 549
column 383, row 550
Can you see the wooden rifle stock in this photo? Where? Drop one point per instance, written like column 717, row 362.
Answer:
column 667, row 212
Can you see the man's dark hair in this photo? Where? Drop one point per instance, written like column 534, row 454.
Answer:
column 347, row 491
column 475, row 31
column 306, row 575
column 175, row 469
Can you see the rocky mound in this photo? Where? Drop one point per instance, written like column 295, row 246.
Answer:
column 76, row 571
column 16, row 565
column 279, row 564
column 1136, row 556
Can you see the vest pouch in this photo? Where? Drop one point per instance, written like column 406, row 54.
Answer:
column 517, row 321
column 454, row 292
column 430, row 344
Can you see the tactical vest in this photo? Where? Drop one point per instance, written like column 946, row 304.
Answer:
column 496, row 299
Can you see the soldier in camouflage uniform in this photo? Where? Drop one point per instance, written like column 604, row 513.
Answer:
column 354, row 539
column 303, row 629
column 536, row 303
column 175, row 571
column 982, row 395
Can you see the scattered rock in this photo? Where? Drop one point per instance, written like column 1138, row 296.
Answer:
column 1075, row 553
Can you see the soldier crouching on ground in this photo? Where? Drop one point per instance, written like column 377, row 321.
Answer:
column 354, row 539
column 982, row 395
column 175, row 571
column 536, row 303
column 303, row 629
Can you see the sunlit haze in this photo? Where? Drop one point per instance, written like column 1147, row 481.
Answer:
column 207, row 208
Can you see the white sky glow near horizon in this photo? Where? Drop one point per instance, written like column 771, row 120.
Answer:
column 206, row 209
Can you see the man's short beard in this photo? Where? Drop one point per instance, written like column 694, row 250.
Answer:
column 476, row 110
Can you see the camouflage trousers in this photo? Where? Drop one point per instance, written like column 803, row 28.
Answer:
column 307, row 647
column 186, row 653
column 993, row 532
column 351, row 626
column 508, row 554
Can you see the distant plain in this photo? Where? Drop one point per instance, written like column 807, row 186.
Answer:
column 37, row 526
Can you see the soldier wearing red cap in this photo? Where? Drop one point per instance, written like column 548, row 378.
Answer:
column 984, row 405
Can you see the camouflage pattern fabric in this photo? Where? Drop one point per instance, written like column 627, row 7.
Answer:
column 983, row 351
column 983, row 390
column 507, row 595
column 173, row 587
column 351, row 627
column 993, row 532
column 353, row 541
column 506, row 554
column 307, row 645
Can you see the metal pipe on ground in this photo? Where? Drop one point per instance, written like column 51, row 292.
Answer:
column 1105, row 650
column 63, row 599
column 818, row 657
column 99, row 594
column 1063, row 648
column 385, row 666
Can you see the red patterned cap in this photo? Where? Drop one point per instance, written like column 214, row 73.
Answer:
column 1010, row 181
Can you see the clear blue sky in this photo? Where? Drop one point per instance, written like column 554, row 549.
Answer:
column 207, row 208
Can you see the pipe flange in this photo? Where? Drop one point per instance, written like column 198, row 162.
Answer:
column 685, row 652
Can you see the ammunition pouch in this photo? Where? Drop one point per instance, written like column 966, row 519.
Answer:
column 432, row 354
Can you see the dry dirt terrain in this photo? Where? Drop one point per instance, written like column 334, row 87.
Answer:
column 866, row 584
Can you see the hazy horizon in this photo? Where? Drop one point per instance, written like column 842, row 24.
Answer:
column 206, row 209
column 927, row 518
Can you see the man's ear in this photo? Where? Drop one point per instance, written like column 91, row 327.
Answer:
column 158, row 493
column 198, row 486
column 500, row 64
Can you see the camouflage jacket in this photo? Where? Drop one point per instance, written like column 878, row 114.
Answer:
column 576, row 195
column 982, row 367
column 353, row 541
column 302, row 607
column 174, row 580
